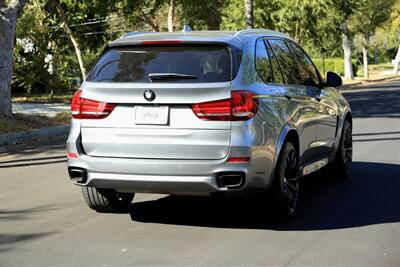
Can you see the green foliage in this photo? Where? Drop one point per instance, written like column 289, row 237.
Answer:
column 370, row 14
column 265, row 15
column 202, row 14
column 31, row 49
column 316, row 24
column 334, row 65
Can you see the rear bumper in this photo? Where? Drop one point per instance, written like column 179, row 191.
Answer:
column 170, row 175
column 194, row 177
column 154, row 184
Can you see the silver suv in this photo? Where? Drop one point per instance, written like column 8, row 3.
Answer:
column 205, row 113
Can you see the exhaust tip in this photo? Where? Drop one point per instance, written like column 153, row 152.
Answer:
column 231, row 180
column 78, row 175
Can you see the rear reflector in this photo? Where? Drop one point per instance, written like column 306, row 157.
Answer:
column 238, row 159
column 242, row 105
column 83, row 108
column 71, row 155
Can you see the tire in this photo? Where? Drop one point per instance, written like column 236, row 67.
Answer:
column 285, row 187
column 341, row 166
column 106, row 200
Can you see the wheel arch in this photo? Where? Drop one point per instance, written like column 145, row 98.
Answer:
column 348, row 117
column 288, row 133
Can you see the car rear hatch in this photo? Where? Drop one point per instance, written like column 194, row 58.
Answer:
column 150, row 90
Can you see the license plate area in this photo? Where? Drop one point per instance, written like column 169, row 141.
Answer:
column 151, row 115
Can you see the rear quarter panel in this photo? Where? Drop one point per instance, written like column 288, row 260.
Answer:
column 258, row 136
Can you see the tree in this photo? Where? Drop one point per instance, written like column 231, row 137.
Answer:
column 395, row 24
column 343, row 9
column 370, row 15
column 9, row 14
column 347, row 42
column 249, row 14
column 72, row 15
column 265, row 15
column 146, row 12
column 78, row 51
column 33, row 66
column 202, row 14
column 171, row 11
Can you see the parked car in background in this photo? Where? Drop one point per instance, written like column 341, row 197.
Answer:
column 199, row 113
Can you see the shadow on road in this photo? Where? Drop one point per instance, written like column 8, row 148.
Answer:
column 380, row 103
column 369, row 197
column 8, row 241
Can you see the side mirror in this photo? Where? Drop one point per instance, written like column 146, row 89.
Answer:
column 333, row 80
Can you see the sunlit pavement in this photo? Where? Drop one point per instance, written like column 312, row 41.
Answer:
column 44, row 109
column 44, row 221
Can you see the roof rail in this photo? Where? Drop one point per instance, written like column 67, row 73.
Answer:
column 254, row 31
column 133, row 33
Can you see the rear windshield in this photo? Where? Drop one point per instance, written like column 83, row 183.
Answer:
column 204, row 64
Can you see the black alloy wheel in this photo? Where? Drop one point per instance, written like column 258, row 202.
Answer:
column 286, row 183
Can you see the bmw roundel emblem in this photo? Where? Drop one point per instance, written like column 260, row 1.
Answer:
column 149, row 95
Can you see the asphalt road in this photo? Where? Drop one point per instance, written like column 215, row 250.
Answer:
column 44, row 221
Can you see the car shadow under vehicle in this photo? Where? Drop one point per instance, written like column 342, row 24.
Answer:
column 369, row 197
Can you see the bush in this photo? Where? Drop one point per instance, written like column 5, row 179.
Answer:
column 335, row 65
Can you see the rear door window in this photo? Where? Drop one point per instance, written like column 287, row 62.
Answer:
column 278, row 78
column 307, row 69
column 286, row 61
column 204, row 63
column 263, row 65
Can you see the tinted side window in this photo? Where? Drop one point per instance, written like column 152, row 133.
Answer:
column 278, row 78
column 263, row 65
column 288, row 66
column 308, row 72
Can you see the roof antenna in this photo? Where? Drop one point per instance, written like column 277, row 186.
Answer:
column 186, row 28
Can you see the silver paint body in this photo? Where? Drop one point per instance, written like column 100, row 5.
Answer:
column 185, row 156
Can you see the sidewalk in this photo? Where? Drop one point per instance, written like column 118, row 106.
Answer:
column 49, row 110
column 351, row 84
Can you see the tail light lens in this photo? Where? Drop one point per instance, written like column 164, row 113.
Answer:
column 242, row 105
column 83, row 108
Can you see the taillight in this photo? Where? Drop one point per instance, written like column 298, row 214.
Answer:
column 161, row 42
column 242, row 105
column 83, row 108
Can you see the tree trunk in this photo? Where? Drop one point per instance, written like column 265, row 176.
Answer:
column 8, row 20
column 171, row 12
column 347, row 42
column 365, row 62
column 397, row 61
column 75, row 43
column 249, row 14
column 365, row 56
column 323, row 65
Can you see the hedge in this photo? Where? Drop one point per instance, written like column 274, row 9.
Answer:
column 335, row 65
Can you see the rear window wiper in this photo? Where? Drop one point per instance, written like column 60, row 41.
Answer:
column 170, row 76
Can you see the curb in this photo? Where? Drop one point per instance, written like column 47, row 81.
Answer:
column 366, row 82
column 13, row 138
